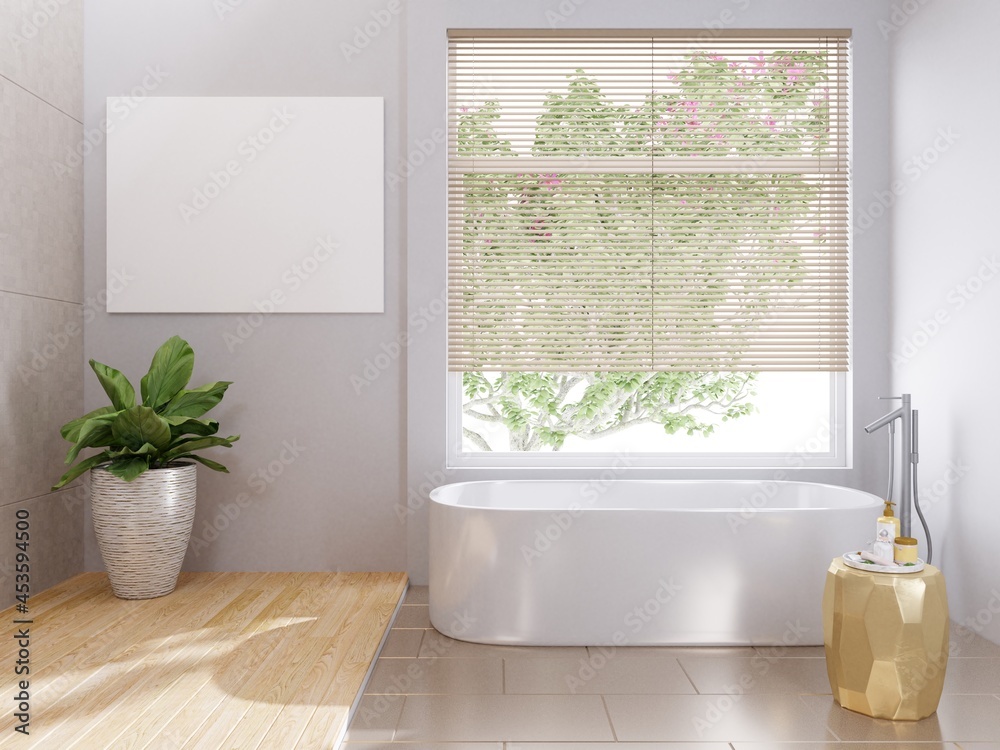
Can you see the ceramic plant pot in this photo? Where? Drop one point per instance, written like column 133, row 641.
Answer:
column 143, row 527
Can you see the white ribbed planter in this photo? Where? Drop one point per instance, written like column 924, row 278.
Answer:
column 143, row 527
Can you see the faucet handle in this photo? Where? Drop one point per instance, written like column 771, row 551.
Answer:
column 890, row 398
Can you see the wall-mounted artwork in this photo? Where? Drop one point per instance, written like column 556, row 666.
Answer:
column 245, row 204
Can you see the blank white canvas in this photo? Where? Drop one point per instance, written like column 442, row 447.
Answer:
column 245, row 204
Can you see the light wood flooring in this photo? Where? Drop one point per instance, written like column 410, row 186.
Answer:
column 229, row 660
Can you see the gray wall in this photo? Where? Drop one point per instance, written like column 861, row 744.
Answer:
column 946, row 284
column 329, row 503
column 41, row 284
column 427, row 61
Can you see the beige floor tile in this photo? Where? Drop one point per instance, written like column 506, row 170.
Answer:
column 847, row 746
column 645, row 652
column 441, row 646
column 713, row 718
column 527, row 718
column 403, row 644
column 412, row 616
column 376, row 718
column 757, row 674
column 959, row 718
column 449, row 676
column 422, row 746
column 970, row 643
column 416, row 595
column 617, row 746
column 973, row 676
column 594, row 675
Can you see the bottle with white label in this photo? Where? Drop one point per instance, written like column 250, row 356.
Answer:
column 886, row 531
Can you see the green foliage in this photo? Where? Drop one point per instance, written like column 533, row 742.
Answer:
column 722, row 226
column 165, row 427
column 541, row 409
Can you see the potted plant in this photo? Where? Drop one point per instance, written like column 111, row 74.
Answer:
column 143, row 482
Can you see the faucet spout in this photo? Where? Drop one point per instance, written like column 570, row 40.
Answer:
column 905, row 416
column 883, row 421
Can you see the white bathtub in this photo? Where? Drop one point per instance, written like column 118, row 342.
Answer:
column 561, row 563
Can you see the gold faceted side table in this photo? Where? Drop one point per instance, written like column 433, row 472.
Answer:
column 886, row 640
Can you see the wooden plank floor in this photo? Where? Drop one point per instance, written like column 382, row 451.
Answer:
column 229, row 660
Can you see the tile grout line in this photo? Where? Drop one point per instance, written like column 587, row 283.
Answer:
column 816, row 715
column 40, row 98
column 688, row 677
column 42, row 297
column 395, row 727
column 607, row 713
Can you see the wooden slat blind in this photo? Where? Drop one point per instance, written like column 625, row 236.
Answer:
column 648, row 202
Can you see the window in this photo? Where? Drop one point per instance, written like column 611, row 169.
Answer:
column 648, row 243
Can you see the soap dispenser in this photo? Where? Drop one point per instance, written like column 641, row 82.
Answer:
column 887, row 528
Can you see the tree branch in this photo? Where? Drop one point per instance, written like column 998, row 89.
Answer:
column 477, row 439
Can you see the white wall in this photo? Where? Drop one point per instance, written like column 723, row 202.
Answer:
column 946, row 283
column 338, row 504
column 426, row 49
column 332, row 505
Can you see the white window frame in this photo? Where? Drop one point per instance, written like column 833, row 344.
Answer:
column 837, row 457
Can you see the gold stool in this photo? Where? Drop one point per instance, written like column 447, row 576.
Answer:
column 886, row 640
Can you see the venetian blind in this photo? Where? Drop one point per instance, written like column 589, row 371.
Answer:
column 647, row 202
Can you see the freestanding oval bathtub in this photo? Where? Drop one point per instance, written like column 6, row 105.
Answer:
column 627, row 562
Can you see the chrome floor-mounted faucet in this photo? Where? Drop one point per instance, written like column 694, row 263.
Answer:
column 908, row 420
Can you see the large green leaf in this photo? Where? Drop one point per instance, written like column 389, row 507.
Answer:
column 169, row 372
column 85, row 465
column 139, row 425
column 190, row 426
column 130, row 468
column 116, row 385
column 197, row 444
column 71, row 430
column 197, row 401
column 147, row 449
column 213, row 465
column 95, row 433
